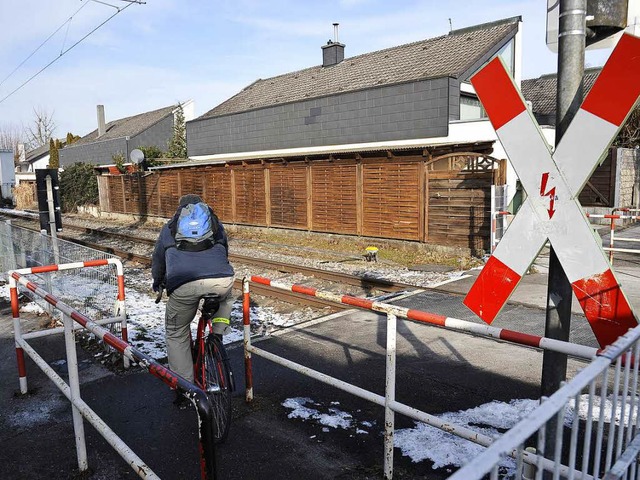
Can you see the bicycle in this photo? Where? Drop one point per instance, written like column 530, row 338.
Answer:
column 211, row 369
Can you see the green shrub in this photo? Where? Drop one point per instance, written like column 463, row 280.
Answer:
column 78, row 186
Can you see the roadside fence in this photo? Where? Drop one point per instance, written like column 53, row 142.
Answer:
column 91, row 291
column 72, row 390
column 562, row 465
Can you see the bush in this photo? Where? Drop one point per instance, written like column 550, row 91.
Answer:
column 78, row 186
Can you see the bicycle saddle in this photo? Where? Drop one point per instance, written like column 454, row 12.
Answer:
column 210, row 305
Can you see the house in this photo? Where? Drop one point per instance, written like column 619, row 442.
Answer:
column 118, row 138
column 392, row 144
column 615, row 182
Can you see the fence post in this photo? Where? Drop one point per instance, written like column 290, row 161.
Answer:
column 248, row 374
column 8, row 247
column 613, row 228
column 74, row 387
column 390, row 396
column 46, row 260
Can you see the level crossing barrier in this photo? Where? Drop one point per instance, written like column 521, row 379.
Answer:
column 72, row 390
column 612, row 228
column 388, row 400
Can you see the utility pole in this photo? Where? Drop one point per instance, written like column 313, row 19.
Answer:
column 571, row 47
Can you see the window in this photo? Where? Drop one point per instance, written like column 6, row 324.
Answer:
column 506, row 53
column 471, row 108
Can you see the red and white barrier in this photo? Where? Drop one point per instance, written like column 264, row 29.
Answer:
column 520, row 338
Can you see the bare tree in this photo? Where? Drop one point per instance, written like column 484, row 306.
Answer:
column 41, row 129
column 11, row 136
column 629, row 135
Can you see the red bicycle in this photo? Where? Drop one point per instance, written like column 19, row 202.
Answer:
column 211, row 369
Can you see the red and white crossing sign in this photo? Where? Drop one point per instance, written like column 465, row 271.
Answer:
column 553, row 182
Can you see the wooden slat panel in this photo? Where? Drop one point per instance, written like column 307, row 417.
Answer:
column 288, row 186
column 150, row 187
column 460, row 208
column 250, row 195
column 603, row 180
column 169, row 192
column 216, row 183
column 103, row 193
column 391, row 203
column 334, row 197
column 116, row 194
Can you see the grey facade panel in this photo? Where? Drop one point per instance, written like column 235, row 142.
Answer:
column 157, row 135
column 395, row 112
column 101, row 153
column 97, row 153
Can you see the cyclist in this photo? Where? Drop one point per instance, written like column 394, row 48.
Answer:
column 188, row 273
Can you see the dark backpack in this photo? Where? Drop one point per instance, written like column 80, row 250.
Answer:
column 195, row 227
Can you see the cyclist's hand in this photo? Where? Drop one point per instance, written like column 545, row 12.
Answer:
column 160, row 291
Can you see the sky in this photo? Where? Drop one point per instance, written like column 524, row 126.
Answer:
column 152, row 55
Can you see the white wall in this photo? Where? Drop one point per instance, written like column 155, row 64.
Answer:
column 7, row 173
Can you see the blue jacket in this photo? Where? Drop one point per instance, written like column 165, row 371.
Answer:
column 174, row 267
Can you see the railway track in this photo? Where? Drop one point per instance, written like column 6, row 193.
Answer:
column 365, row 282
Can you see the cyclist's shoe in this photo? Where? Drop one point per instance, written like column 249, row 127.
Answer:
column 181, row 401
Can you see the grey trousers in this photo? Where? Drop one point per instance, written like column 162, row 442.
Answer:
column 180, row 312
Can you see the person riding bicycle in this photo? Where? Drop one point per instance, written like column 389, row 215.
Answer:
column 190, row 264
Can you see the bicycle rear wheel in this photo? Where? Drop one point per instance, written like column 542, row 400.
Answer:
column 218, row 385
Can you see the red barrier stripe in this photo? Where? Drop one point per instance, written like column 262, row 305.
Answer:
column 31, row 286
column 125, row 335
column 306, row 290
column 427, row 317
column 95, row 263
column 246, row 305
column 47, row 268
column 521, row 338
column 117, row 343
column 357, row 302
column 491, row 289
column 605, row 306
column 498, row 94
column 120, row 287
column 164, row 374
column 617, row 87
column 22, row 369
column 15, row 304
column 51, row 299
column 81, row 319
column 262, row 280
column 16, row 275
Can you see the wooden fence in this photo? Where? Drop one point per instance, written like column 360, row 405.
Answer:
column 445, row 200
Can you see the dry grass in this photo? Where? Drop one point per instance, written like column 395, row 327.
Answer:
column 393, row 251
column 24, row 197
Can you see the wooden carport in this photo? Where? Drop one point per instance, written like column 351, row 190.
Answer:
column 435, row 194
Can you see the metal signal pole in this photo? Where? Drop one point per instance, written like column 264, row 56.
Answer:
column 571, row 47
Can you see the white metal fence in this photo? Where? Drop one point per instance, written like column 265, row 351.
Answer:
column 599, row 409
column 90, row 291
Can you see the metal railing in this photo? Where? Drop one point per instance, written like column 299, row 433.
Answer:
column 388, row 401
column 80, row 409
column 90, row 291
column 601, row 424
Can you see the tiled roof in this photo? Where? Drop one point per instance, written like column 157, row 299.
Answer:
column 447, row 55
column 37, row 153
column 542, row 91
column 128, row 127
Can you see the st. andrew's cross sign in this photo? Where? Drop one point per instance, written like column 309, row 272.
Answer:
column 553, row 182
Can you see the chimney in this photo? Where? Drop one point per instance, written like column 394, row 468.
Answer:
column 333, row 51
column 101, row 124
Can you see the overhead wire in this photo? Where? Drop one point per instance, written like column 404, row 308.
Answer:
column 119, row 10
column 68, row 21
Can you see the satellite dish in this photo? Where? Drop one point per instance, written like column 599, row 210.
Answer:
column 136, row 156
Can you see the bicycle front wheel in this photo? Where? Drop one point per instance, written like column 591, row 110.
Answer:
column 218, row 385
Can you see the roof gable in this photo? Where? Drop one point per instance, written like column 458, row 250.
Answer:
column 445, row 56
column 128, row 126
